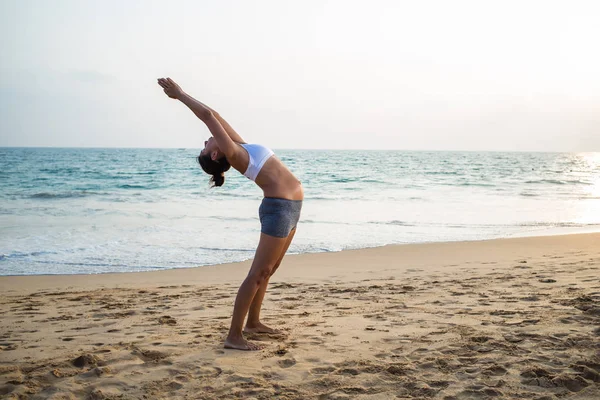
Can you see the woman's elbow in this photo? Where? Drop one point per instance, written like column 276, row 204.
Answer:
column 205, row 114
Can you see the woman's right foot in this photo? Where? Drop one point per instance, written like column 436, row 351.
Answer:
column 241, row 344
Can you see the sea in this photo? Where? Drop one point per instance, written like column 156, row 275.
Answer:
column 90, row 211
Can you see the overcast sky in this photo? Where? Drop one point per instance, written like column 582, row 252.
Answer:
column 432, row 75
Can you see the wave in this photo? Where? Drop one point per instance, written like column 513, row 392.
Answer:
column 524, row 194
column 128, row 186
column 559, row 224
column 223, row 218
column 312, row 221
column 125, row 174
column 393, row 222
column 63, row 195
column 343, row 180
column 442, row 173
column 469, row 184
column 558, row 182
column 337, row 197
column 81, row 264
column 354, row 180
column 466, row 225
column 226, row 249
column 23, row 255
column 378, row 181
column 318, row 197
column 58, row 170
column 233, row 194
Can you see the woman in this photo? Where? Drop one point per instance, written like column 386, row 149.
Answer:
column 279, row 211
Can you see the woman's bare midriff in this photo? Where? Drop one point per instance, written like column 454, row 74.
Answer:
column 277, row 181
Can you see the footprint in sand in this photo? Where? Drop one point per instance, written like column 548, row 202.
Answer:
column 167, row 320
column 286, row 363
column 322, row 370
column 87, row 360
column 149, row 355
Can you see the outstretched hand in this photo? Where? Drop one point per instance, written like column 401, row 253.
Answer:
column 170, row 88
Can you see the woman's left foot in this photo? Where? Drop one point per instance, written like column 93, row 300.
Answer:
column 261, row 328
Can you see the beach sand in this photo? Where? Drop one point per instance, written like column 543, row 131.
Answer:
column 510, row 318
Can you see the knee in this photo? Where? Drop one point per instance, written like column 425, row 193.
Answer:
column 260, row 276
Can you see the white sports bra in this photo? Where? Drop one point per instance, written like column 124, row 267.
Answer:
column 257, row 157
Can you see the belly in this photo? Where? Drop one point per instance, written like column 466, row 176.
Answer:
column 286, row 189
column 276, row 180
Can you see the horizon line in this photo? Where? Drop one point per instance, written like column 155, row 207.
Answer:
column 305, row 149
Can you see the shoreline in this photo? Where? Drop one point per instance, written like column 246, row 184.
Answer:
column 109, row 277
column 557, row 231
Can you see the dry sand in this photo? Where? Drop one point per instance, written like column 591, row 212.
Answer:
column 513, row 318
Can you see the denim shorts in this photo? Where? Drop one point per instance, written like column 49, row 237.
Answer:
column 278, row 217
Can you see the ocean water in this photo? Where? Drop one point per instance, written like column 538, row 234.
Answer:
column 73, row 211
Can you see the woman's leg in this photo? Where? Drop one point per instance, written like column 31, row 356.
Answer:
column 268, row 252
column 253, row 324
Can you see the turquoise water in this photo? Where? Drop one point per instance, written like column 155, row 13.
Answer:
column 115, row 210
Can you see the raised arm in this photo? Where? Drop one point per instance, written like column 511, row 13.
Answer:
column 228, row 128
column 206, row 114
column 230, row 131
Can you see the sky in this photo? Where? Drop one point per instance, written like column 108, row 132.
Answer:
column 413, row 75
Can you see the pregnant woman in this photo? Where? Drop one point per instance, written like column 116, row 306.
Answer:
column 279, row 211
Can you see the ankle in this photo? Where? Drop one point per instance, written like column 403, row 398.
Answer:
column 234, row 335
column 253, row 324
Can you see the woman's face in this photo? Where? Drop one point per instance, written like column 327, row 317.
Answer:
column 210, row 146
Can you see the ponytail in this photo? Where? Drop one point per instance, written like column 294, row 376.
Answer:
column 218, row 180
column 216, row 168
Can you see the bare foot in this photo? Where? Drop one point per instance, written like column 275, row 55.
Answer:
column 261, row 328
column 241, row 344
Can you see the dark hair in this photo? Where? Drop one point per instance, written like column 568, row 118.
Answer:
column 216, row 168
